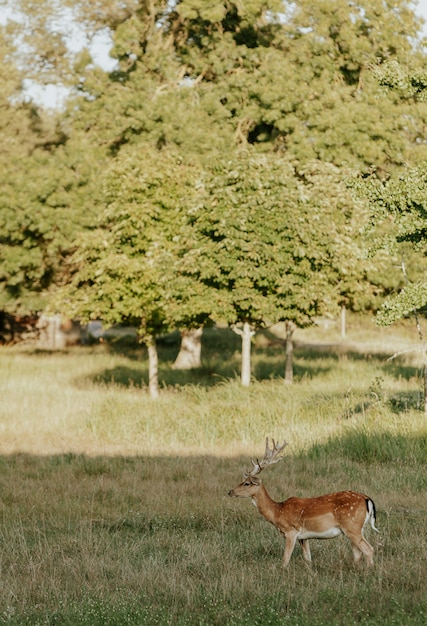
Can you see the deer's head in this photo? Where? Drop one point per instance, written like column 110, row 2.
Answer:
column 251, row 482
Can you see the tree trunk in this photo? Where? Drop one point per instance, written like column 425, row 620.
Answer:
column 189, row 355
column 343, row 321
column 50, row 337
column 153, row 368
column 246, row 334
column 246, row 354
column 289, row 365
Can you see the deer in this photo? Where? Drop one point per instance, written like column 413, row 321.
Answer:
column 322, row 517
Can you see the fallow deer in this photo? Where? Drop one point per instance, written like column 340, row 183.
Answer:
column 324, row 517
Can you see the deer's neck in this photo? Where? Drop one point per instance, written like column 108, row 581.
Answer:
column 265, row 505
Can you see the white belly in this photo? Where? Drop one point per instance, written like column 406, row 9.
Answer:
column 327, row 534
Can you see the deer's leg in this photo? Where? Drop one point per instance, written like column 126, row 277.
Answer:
column 305, row 549
column 291, row 539
column 357, row 553
column 367, row 550
column 360, row 545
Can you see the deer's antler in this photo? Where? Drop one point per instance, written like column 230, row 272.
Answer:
column 271, row 455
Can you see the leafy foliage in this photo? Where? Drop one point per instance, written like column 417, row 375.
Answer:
column 400, row 202
column 275, row 241
column 124, row 270
column 302, row 83
column 30, row 246
column 195, row 81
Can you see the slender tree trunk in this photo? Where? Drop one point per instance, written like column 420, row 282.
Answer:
column 153, row 368
column 50, row 334
column 189, row 355
column 246, row 354
column 343, row 321
column 246, row 334
column 289, row 364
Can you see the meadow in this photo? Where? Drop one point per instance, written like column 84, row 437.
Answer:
column 114, row 507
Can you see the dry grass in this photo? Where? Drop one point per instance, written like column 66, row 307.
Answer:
column 114, row 508
column 156, row 540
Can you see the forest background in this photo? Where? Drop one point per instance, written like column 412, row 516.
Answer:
column 144, row 201
column 247, row 166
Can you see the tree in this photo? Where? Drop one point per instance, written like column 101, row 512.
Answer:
column 267, row 244
column 45, row 202
column 28, row 238
column 401, row 203
column 203, row 78
column 299, row 84
column 49, row 187
column 298, row 79
column 125, row 270
column 399, row 214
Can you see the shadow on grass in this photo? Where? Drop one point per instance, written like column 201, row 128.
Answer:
column 209, row 376
column 221, row 360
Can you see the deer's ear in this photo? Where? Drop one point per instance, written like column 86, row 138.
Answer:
column 255, row 480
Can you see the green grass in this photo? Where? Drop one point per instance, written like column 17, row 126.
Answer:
column 114, row 507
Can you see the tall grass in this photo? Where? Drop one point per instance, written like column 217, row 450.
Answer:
column 114, row 507
column 92, row 400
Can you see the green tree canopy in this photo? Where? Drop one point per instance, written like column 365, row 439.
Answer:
column 28, row 257
column 126, row 270
column 279, row 240
column 399, row 207
column 274, row 241
column 399, row 212
column 203, row 78
column 295, row 78
column 123, row 268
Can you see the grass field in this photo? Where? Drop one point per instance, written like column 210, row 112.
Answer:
column 114, row 507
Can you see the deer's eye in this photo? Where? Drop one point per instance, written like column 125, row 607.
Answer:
column 247, row 483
